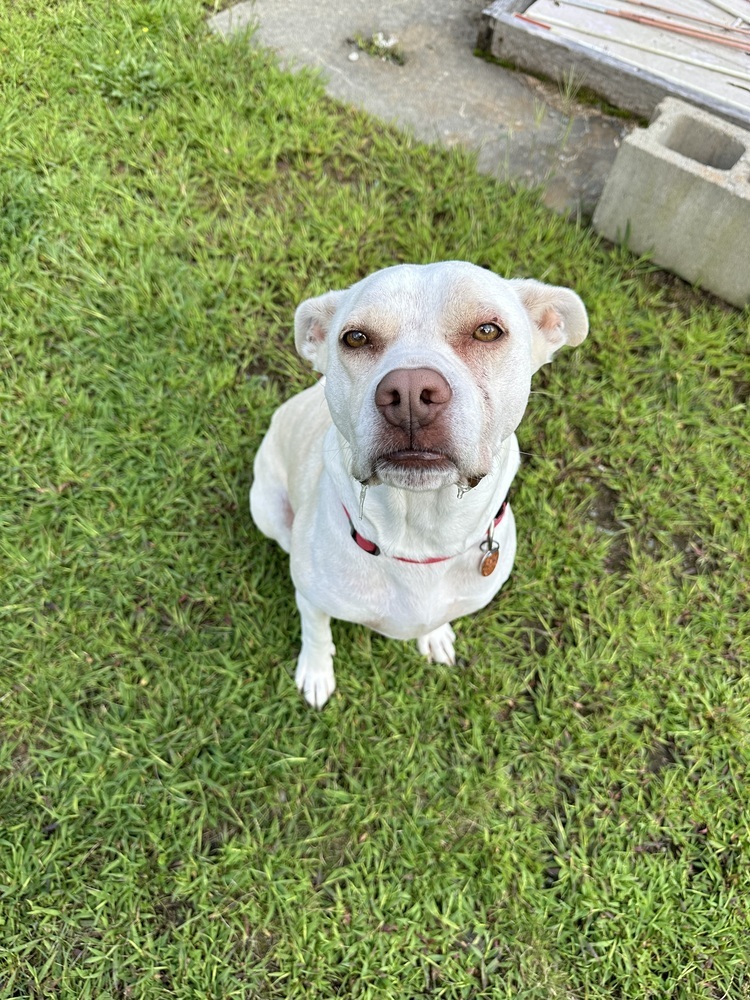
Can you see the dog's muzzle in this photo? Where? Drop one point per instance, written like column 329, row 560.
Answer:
column 413, row 404
column 412, row 398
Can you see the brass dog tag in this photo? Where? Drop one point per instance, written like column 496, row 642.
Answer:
column 489, row 559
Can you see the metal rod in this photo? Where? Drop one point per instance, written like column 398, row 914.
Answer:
column 742, row 15
column 690, row 17
column 530, row 20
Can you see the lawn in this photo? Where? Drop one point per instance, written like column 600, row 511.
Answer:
column 565, row 813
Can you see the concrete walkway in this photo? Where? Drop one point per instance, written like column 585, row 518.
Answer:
column 522, row 129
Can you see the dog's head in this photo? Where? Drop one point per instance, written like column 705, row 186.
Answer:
column 428, row 367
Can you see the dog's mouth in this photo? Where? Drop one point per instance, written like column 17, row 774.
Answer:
column 415, row 469
column 413, row 458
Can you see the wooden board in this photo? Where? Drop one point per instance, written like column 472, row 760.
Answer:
column 703, row 65
column 628, row 77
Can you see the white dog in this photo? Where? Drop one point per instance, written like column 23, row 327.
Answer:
column 387, row 481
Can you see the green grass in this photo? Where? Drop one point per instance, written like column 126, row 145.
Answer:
column 564, row 815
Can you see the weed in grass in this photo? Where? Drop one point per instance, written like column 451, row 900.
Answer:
column 130, row 81
column 22, row 204
column 570, row 87
column 380, row 46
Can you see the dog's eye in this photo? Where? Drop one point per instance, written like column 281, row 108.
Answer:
column 355, row 338
column 487, row 332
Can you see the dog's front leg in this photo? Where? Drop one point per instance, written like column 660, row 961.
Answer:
column 315, row 677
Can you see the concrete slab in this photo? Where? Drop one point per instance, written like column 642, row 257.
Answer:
column 680, row 190
column 523, row 130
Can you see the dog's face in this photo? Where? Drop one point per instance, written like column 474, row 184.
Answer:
column 428, row 367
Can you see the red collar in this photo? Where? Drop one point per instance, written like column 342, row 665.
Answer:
column 372, row 549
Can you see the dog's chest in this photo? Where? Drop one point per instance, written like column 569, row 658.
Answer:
column 399, row 599
column 412, row 607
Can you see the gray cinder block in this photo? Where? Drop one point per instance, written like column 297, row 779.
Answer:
column 680, row 190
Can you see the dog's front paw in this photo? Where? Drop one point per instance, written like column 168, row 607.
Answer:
column 315, row 677
column 438, row 645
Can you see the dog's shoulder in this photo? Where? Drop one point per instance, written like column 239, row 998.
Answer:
column 305, row 413
column 296, row 437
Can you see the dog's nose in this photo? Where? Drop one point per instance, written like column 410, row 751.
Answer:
column 412, row 397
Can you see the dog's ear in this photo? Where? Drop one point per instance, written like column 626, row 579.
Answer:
column 311, row 322
column 557, row 315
